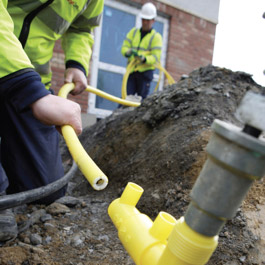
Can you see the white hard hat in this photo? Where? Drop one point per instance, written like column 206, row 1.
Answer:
column 148, row 11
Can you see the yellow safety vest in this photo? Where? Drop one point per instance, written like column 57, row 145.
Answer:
column 150, row 46
column 13, row 57
column 39, row 23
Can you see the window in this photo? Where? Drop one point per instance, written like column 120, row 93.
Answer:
column 108, row 65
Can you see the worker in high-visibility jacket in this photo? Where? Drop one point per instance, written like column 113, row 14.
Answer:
column 38, row 24
column 145, row 45
column 28, row 115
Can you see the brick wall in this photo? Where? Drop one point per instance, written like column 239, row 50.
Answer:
column 190, row 40
column 190, row 45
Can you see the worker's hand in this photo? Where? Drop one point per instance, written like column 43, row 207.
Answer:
column 141, row 58
column 76, row 76
column 54, row 110
column 130, row 52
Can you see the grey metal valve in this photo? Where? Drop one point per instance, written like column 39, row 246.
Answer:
column 236, row 157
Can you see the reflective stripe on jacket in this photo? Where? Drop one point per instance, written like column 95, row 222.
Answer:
column 13, row 57
column 150, row 46
column 70, row 20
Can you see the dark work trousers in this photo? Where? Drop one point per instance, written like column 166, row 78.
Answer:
column 139, row 83
column 30, row 153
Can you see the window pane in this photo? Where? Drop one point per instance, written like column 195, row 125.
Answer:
column 158, row 26
column 110, row 83
column 116, row 24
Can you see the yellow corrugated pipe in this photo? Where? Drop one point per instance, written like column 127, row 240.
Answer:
column 166, row 241
column 97, row 179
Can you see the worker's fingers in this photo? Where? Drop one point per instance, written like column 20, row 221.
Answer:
column 54, row 110
column 75, row 119
column 79, row 88
column 76, row 76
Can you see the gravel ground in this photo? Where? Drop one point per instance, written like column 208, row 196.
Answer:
column 160, row 146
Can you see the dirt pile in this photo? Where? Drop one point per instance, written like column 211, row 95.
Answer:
column 160, row 146
column 163, row 141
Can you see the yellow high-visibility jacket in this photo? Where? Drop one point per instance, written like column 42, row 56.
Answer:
column 13, row 58
column 39, row 23
column 19, row 83
column 150, row 47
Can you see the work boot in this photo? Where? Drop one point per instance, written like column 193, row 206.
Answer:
column 8, row 225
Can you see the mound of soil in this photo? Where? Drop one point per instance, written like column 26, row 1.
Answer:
column 161, row 147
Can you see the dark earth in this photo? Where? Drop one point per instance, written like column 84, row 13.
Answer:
column 161, row 147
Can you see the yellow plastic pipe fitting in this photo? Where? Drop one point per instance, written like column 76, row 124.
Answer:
column 142, row 238
column 97, row 179
column 187, row 247
column 165, row 241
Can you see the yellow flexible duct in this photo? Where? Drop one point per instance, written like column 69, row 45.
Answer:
column 91, row 171
column 170, row 79
column 93, row 174
column 129, row 69
column 112, row 98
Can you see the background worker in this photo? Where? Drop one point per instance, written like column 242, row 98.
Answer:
column 28, row 112
column 144, row 45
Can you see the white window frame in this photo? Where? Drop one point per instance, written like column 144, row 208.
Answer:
column 96, row 64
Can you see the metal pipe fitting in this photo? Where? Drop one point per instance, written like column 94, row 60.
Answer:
column 235, row 160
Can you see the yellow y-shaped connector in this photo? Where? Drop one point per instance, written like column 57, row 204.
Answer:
column 97, row 179
column 143, row 239
column 146, row 241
